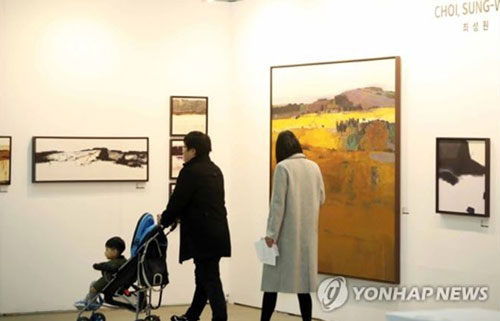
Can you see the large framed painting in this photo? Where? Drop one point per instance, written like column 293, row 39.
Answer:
column 176, row 157
column 346, row 115
column 188, row 114
column 463, row 176
column 5, row 160
column 90, row 159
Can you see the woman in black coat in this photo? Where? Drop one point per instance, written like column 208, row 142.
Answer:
column 198, row 201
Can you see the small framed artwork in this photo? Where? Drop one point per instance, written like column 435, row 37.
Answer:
column 188, row 114
column 5, row 160
column 176, row 157
column 90, row 159
column 463, row 176
column 171, row 189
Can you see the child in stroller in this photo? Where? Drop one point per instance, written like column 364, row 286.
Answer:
column 132, row 286
column 114, row 248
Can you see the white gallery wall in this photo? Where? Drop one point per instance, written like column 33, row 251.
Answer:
column 450, row 88
column 98, row 68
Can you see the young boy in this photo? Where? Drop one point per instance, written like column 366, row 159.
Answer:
column 113, row 252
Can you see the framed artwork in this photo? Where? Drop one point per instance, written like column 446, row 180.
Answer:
column 171, row 188
column 463, row 176
column 346, row 115
column 90, row 159
column 5, row 160
column 176, row 157
column 188, row 114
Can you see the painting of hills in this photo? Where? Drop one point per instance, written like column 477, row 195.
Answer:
column 5, row 160
column 346, row 117
column 93, row 159
column 188, row 114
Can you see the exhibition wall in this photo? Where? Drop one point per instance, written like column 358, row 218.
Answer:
column 450, row 84
column 98, row 68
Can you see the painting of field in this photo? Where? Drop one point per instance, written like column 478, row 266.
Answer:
column 5, row 160
column 345, row 116
column 188, row 114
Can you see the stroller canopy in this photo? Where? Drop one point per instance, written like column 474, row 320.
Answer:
column 145, row 225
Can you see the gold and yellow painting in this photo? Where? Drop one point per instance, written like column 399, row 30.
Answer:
column 5, row 147
column 346, row 116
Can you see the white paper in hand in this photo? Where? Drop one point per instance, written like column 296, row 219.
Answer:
column 266, row 255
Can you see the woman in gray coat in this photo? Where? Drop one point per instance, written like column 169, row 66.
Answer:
column 298, row 192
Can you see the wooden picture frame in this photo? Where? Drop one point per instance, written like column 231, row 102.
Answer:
column 342, row 101
column 463, row 176
column 60, row 159
column 5, row 160
column 176, row 158
column 188, row 113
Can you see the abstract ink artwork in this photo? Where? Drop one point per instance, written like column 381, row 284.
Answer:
column 5, row 159
column 176, row 157
column 346, row 116
column 188, row 114
column 463, row 176
column 90, row 159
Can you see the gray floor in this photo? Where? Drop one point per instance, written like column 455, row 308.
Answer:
column 236, row 313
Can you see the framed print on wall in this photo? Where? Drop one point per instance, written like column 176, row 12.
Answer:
column 90, row 159
column 5, row 160
column 188, row 113
column 463, row 176
column 176, row 157
column 346, row 115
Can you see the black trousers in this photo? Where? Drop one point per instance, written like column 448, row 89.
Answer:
column 269, row 303
column 208, row 287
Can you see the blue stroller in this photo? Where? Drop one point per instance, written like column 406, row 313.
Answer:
column 145, row 272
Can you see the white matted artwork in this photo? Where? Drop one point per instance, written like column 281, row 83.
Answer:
column 176, row 157
column 90, row 159
column 188, row 113
column 463, row 176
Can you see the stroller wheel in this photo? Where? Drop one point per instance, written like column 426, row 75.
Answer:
column 83, row 319
column 152, row 318
column 98, row 317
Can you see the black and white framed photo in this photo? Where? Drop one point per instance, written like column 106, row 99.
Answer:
column 463, row 176
column 188, row 113
column 171, row 189
column 90, row 159
column 176, row 157
column 5, row 160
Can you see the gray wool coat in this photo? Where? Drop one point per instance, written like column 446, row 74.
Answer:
column 298, row 192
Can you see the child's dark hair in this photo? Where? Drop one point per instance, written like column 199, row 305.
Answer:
column 116, row 243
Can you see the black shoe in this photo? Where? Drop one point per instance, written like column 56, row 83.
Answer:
column 177, row 318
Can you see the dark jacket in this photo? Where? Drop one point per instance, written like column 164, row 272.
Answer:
column 110, row 267
column 198, row 200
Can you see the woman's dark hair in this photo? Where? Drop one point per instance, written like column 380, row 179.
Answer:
column 199, row 141
column 287, row 145
column 116, row 243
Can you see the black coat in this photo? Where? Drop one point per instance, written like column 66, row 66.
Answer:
column 198, row 200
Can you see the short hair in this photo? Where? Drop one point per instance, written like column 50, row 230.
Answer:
column 199, row 141
column 287, row 145
column 116, row 243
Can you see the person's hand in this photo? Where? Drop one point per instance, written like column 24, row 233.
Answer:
column 158, row 219
column 269, row 241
